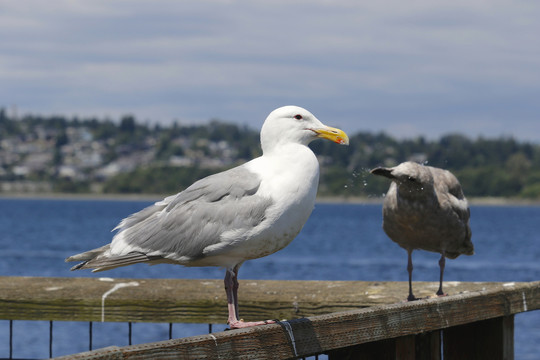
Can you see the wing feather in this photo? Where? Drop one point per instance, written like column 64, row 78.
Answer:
column 182, row 226
column 457, row 204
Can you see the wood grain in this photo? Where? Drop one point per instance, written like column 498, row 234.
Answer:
column 198, row 301
column 491, row 308
column 341, row 318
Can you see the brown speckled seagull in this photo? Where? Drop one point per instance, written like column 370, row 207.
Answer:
column 244, row 213
column 425, row 209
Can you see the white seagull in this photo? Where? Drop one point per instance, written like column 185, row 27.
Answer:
column 244, row 213
column 425, row 209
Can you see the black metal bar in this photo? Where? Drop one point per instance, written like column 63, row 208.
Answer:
column 11, row 339
column 170, row 331
column 50, row 338
column 209, row 328
column 129, row 332
column 90, row 335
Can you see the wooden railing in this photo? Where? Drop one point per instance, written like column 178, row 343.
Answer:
column 344, row 319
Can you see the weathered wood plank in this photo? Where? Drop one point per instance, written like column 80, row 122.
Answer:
column 329, row 332
column 379, row 322
column 197, row 301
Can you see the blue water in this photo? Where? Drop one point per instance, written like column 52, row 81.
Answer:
column 339, row 242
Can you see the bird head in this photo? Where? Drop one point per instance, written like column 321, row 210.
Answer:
column 408, row 176
column 293, row 124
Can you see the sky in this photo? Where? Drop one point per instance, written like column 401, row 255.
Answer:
column 408, row 68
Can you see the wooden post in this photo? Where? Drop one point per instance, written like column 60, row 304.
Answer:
column 405, row 347
column 425, row 346
column 382, row 349
column 428, row 346
column 491, row 339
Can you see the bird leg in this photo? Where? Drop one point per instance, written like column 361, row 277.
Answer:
column 411, row 297
column 235, row 286
column 231, row 289
column 442, row 263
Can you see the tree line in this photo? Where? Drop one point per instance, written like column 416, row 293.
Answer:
column 494, row 167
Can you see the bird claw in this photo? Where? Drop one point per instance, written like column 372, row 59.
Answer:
column 240, row 324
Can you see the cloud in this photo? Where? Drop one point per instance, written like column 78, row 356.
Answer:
column 415, row 68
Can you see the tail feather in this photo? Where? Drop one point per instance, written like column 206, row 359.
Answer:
column 99, row 260
column 90, row 254
column 117, row 261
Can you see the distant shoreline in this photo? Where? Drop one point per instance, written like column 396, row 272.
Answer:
column 492, row 201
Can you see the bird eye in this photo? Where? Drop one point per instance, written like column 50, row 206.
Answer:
column 412, row 179
column 298, row 117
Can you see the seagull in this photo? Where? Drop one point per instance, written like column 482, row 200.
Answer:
column 240, row 214
column 425, row 208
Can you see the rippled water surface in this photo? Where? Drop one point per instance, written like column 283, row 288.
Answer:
column 339, row 242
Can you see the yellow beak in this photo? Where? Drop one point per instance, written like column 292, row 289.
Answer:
column 333, row 134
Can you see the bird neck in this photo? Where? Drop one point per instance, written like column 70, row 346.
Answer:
column 415, row 191
column 285, row 150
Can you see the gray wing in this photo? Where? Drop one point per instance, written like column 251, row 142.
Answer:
column 183, row 225
column 447, row 185
column 194, row 219
column 454, row 199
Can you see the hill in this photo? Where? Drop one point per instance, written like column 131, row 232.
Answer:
column 72, row 155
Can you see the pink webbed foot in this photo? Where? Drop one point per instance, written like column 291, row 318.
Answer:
column 240, row 324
